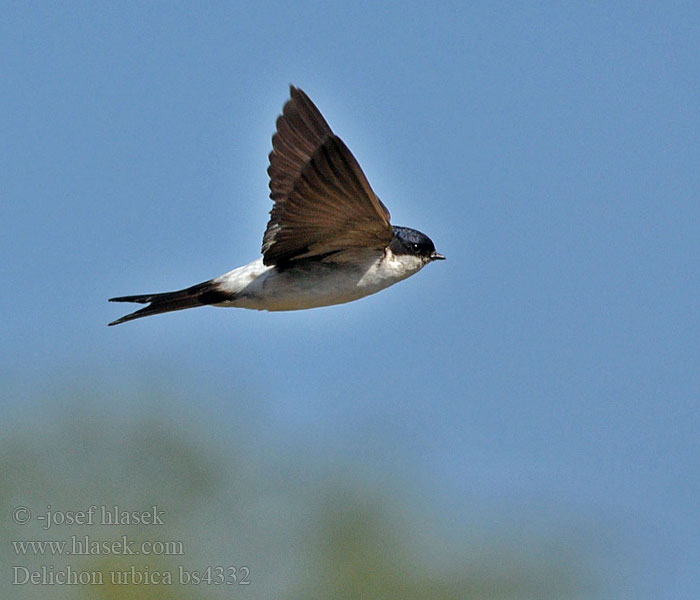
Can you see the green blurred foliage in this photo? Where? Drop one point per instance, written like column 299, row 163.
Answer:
column 332, row 537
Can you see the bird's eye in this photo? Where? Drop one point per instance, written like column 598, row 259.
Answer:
column 415, row 247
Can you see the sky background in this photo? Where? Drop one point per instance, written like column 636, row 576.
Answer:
column 543, row 381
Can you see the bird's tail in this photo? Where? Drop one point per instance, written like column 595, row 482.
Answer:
column 201, row 294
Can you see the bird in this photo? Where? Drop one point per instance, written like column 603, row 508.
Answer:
column 329, row 239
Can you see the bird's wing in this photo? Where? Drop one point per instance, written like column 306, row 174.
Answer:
column 323, row 203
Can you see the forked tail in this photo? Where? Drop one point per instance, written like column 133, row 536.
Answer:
column 197, row 295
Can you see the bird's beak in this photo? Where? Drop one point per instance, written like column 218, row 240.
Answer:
column 437, row 256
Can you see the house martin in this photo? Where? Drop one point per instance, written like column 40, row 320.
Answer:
column 329, row 239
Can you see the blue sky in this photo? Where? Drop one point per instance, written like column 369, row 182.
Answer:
column 549, row 367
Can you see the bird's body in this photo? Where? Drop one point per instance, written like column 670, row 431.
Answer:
column 329, row 239
column 312, row 283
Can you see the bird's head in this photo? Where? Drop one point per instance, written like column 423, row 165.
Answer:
column 411, row 242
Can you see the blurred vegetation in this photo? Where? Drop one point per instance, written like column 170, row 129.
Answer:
column 333, row 535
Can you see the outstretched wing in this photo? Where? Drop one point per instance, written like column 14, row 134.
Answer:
column 324, row 205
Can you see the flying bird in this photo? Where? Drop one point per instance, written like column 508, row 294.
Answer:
column 329, row 239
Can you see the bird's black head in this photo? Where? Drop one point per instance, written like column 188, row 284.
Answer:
column 413, row 243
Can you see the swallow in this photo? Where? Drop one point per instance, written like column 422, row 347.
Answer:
column 329, row 239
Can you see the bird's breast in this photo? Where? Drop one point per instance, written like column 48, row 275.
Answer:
column 313, row 284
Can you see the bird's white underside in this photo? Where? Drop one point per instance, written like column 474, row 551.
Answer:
column 262, row 287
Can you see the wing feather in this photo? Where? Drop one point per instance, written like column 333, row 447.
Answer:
column 323, row 203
